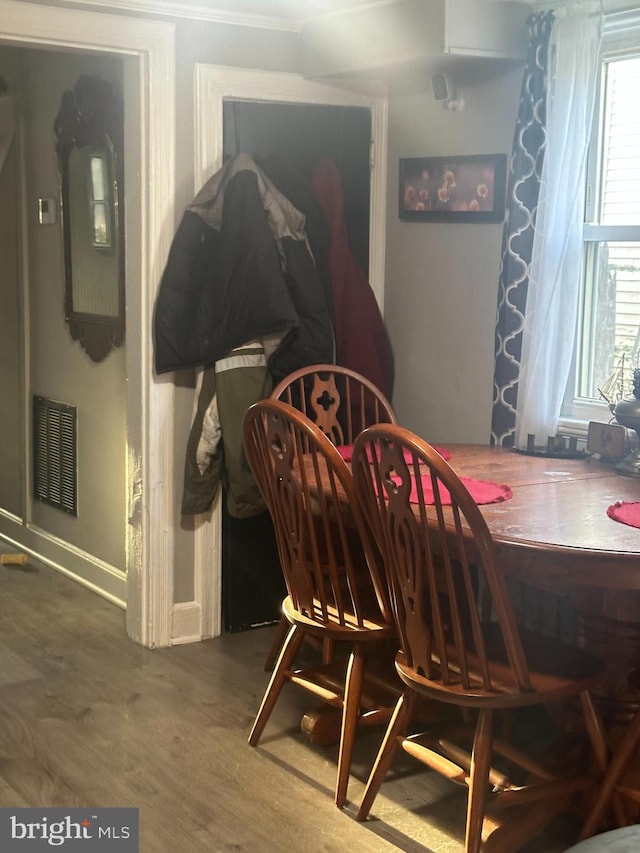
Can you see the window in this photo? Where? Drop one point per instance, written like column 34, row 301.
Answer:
column 609, row 321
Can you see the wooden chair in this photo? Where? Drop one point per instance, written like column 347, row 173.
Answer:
column 342, row 403
column 339, row 400
column 334, row 582
column 460, row 643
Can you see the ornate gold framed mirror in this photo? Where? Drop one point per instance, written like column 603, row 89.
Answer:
column 89, row 133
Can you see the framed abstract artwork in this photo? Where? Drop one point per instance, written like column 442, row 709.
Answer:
column 453, row 189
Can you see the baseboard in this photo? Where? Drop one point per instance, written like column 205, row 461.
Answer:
column 186, row 623
column 78, row 565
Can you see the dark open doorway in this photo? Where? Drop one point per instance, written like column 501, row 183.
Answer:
column 303, row 134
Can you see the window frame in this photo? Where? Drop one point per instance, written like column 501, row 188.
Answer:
column 621, row 39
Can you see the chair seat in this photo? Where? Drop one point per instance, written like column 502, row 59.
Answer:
column 556, row 669
column 371, row 630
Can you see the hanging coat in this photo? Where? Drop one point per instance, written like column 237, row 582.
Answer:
column 240, row 297
column 239, row 270
column 362, row 342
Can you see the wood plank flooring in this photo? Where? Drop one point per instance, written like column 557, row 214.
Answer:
column 89, row 718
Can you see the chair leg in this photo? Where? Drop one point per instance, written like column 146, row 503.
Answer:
column 480, row 764
column 328, row 650
column 397, row 726
column 620, row 761
column 281, row 632
column 276, row 682
column 595, row 730
column 279, row 638
column 350, row 715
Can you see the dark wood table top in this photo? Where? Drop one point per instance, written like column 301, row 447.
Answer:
column 556, row 524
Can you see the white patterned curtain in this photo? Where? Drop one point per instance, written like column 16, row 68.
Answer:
column 554, row 279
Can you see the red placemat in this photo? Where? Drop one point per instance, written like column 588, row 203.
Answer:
column 626, row 512
column 346, row 450
column 482, row 491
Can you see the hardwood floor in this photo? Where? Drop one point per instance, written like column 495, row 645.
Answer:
column 89, row 718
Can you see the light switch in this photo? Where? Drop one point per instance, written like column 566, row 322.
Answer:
column 46, row 211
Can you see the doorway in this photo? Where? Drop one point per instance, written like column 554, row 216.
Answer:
column 301, row 135
column 217, row 88
column 60, row 487
column 148, row 54
column 287, row 141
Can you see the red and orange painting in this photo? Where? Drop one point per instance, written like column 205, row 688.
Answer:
column 453, row 189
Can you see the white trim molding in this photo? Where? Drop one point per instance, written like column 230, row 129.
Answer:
column 289, row 17
column 214, row 84
column 86, row 569
column 198, row 11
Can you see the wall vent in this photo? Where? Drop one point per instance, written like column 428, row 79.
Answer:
column 55, row 454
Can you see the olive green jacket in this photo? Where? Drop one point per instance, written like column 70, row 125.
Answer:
column 215, row 453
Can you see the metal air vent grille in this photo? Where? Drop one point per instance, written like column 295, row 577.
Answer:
column 55, row 454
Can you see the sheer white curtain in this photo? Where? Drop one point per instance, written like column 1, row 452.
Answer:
column 552, row 299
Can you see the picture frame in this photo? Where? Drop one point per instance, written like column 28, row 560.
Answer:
column 460, row 188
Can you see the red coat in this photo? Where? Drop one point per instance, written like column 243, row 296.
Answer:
column 362, row 342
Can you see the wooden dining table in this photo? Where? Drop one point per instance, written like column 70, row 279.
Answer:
column 554, row 535
column 556, row 527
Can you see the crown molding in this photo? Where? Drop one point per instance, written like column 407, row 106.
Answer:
column 178, row 9
column 201, row 10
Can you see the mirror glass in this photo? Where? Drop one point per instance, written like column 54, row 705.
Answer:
column 89, row 144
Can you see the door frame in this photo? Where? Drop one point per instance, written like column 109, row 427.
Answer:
column 213, row 84
column 148, row 48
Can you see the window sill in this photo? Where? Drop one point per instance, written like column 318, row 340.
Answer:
column 576, row 421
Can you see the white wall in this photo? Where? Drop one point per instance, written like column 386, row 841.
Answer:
column 442, row 278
